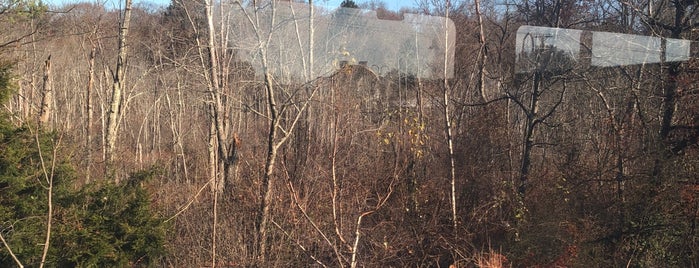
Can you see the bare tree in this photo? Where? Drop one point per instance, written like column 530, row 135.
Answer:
column 482, row 52
column 448, row 129
column 119, row 79
column 281, row 121
column 88, row 110
column 48, row 178
column 47, row 99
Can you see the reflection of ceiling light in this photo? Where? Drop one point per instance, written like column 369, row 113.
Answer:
column 607, row 49
column 361, row 34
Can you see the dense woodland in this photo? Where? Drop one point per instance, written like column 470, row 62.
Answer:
column 133, row 137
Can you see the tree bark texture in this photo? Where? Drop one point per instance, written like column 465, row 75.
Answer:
column 47, row 99
column 119, row 77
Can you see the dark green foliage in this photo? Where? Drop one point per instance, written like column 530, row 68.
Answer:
column 6, row 86
column 349, row 4
column 94, row 226
column 100, row 225
column 18, row 10
column 22, row 192
column 113, row 226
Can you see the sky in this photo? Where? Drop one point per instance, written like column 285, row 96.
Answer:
column 332, row 4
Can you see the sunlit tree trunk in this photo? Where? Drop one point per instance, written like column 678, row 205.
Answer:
column 47, row 99
column 482, row 56
column 88, row 110
column 268, row 179
column 447, row 119
column 118, row 77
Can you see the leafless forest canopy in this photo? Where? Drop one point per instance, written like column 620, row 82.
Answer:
column 583, row 166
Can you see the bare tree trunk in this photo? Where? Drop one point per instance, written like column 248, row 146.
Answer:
column 447, row 120
column 274, row 139
column 669, row 102
column 221, row 154
column 357, row 231
column 273, row 145
column 311, row 34
column 533, row 118
column 214, row 225
column 48, row 177
column 337, row 211
column 482, row 56
column 213, row 160
column 102, row 92
column 47, row 100
column 528, row 141
column 215, row 85
column 267, row 179
column 213, row 178
column 23, row 96
column 450, row 147
column 357, row 235
column 88, row 108
column 118, row 77
column 180, row 109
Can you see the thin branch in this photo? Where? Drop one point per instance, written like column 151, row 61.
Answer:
column 353, row 264
column 298, row 243
column 519, row 103
column 553, row 109
column 297, row 118
column 186, row 206
column 294, row 197
column 14, row 257
column 357, row 233
column 506, row 97
column 49, row 179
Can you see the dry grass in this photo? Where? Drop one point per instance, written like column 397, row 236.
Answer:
column 490, row 259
